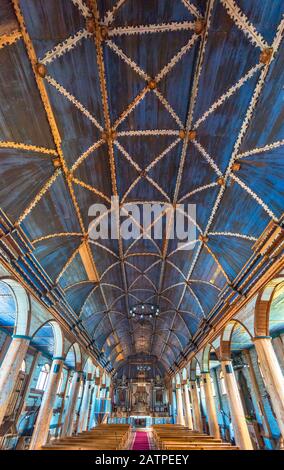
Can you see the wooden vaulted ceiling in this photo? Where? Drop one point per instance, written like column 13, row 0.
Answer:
column 172, row 101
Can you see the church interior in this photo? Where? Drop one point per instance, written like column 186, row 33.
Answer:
column 141, row 343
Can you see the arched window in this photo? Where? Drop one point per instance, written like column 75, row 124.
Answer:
column 59, row 389
column 202, row 391
column 222, row 384
column 80, row 390
column 213, row 387
column 23, row 366
column 69, row 386
column 42, row 378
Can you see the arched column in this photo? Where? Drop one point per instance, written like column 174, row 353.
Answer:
column 188, row 416
column 197, row 421
column 210, row 405
column 41, row 429
column 273, row 376
column 10, row 369
column 180, row 416
column 84, row 410
column 71, row 405
column 241, row 432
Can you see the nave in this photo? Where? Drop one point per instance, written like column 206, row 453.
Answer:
column 141, row 225
column 119, row 437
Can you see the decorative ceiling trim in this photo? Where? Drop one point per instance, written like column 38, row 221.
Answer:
column 10, row 38
column 28, row 147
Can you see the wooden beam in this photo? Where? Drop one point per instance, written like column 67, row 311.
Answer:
column 88, row 262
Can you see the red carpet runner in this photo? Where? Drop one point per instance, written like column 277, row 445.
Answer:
column 141, row 441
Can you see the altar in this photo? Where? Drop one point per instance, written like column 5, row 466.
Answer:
column 141, row 399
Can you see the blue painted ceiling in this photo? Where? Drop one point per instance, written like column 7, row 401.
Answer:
column 206, row 59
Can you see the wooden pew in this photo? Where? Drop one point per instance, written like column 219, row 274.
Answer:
column 103, row 437
column 177, row 437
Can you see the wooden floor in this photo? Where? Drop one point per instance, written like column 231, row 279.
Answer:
column 176, row 437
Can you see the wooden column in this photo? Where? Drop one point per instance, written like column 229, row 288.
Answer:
column 29, row 383
column 197, row 421
column 278, row 347
column 188, row 416
column 210, row 406
column 255, row 387
column 10, row 369
column 41, row 428
column 273, row 377
column 92, row 421
column 71, row 405
column 180, row 416
column 173, row 404
column 241, row 432
column 5, row 347
column 60, row 420
column 84, row 410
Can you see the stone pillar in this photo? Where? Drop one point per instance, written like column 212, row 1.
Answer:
column 273, row 377
column 84, row 410
column 197, row 421
column 41, row 428
column 188, row 416
column 180, row 416
column 210, row 406
column 241, row 432
column 10, row 369
column 71, row 405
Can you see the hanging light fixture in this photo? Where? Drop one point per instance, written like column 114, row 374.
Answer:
column 144, row 310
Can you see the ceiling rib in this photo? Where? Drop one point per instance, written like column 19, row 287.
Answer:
column 189, row 121
column 52, row 122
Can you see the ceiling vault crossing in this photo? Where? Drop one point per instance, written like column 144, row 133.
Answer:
column 167, row 102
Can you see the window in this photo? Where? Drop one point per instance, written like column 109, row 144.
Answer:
column 23, row 366
column 213, row 387
column 202, row 391
column 59, row 389
column 80, row 390
column 222, row 384
column 69, row 386
column 42, row 378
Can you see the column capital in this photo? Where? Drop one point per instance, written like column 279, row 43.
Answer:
column 228, row 367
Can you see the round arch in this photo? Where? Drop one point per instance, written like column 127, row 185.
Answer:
column 108, row 381
column 75, row 357
column 184, row 374
column 193, row 369
column 225, row 349
column 54, row 342
column 22, row 306
column 263, row 306
column 89, row 368
column 178, row 378
column 205, row 361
